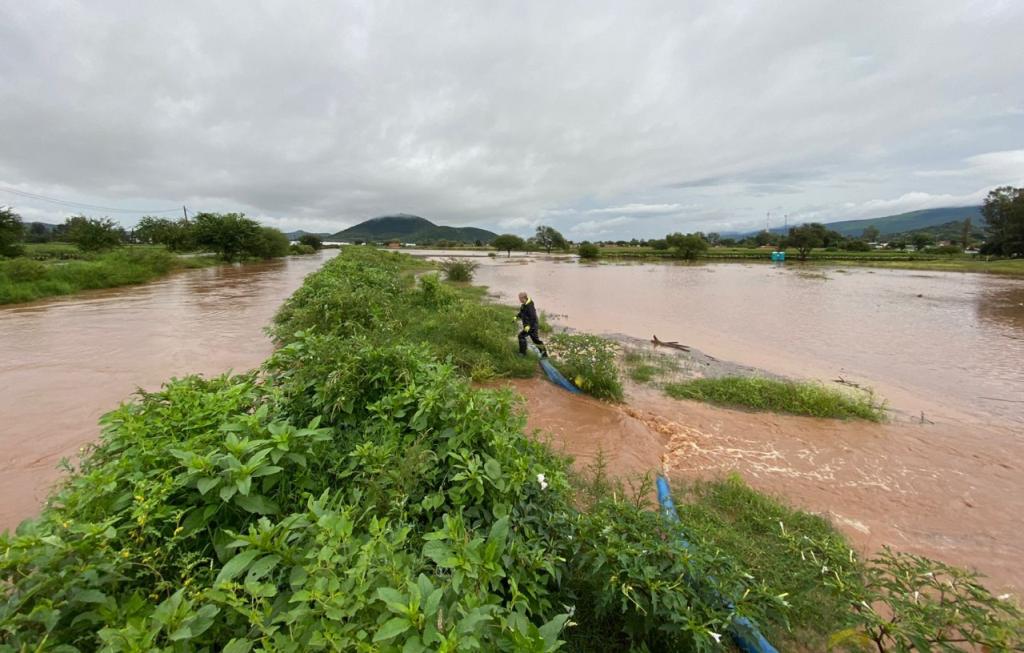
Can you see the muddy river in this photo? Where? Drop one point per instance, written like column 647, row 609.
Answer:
column 65, row 362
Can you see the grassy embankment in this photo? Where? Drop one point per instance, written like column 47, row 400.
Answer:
column 358, row 493
column 753, row 392
column 875, row 258
column 62, row 269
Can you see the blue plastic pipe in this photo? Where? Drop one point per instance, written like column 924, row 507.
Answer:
column 553, row 374
column 743, row 631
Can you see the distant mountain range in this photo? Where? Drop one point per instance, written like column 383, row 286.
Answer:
column 410, row 229
column 912, row 221
column 295, row 235
column 900, row 223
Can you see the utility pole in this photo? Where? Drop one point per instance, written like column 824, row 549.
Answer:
column 185, row 211
column 767, row 217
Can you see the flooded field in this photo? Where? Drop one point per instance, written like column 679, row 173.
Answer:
column 942, row 478
column 65, row 362
column 948, row 344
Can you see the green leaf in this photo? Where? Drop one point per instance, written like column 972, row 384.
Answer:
column 395, row 600
column 89, row 596
column 206, row 484
column 551, row 629
column 183, row 632
column 262, row 567
column 433, row 601
column 499, row 533
column 493, row 469
column 236, row 565
column 237, row 646
column 256, row 503
column 392, row 628
column 439, row 552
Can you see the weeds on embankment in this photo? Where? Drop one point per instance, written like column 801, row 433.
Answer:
column 24, row 279
column 795, row 398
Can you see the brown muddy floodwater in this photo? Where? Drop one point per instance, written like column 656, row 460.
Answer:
column 945, row 345
column 65, row 362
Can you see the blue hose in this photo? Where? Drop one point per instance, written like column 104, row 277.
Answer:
column 743, row 631
column 553, row 374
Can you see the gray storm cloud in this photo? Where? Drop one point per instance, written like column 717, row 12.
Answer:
column 629, row 118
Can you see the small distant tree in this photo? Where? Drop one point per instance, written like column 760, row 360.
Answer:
column 714, row 239
column 312, row 240
column 871, row 234
column 507, row 243
column 12, row 232
column 231, row 236
column 269, row 243
column 658, row 244
column 1004, row 221
column 898, row 243
column 93, row 234
column 588, row 250
column 921, row 240
column 687, row 246
column 856, row 246
column 965, row 234
column 176, row 235
column 38, row 233
column 549, row 238
column 767, row 238
column 804, row 238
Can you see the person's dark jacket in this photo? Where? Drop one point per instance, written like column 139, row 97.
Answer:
column 528, row 315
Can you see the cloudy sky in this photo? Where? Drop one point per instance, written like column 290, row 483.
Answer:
column 602, row 119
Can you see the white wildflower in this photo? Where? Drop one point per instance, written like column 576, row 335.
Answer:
column 1003, row 597
column 715, row 636
column 543, row 481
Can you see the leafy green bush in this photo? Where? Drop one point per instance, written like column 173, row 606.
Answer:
column 311, row 240
column 93, row 234
column 301, row 249
column 589, row 362
column 908, row 602
column 458, row 269
column 23, row 269
column 588, row 250
column 12, row 232
column 781, row 396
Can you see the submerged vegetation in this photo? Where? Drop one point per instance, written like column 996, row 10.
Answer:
column 797, row 398
column 359, row 493
column 458, row 269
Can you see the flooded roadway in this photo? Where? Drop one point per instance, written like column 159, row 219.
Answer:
column 65, row 362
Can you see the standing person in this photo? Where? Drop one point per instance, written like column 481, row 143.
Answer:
column 528, row 316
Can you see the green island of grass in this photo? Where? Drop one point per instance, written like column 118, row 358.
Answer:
column 796, row 398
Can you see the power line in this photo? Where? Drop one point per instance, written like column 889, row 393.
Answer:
column 80, row 205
